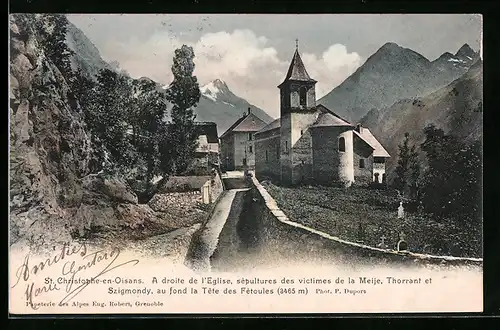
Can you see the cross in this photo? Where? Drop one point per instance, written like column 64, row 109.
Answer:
column 383, row 239
column 402, row 236
column 297, row 43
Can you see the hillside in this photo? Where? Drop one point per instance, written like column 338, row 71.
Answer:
column 218, row 103
column 393, row 73
column 87, row 56
column 456, row 108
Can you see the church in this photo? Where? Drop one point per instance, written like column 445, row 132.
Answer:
column 310, row 144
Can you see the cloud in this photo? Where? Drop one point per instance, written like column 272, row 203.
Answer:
column 332, row 68
column 251, row 67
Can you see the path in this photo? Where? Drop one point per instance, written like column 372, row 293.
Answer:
column 206, row 243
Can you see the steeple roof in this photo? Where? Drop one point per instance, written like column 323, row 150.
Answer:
column 297, row 71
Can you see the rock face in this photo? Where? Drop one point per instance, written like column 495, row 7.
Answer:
column 52, row 194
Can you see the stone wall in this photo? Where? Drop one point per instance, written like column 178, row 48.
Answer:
column 267, row 161
column 273, row 233
column 216, row 187
column 179, row 209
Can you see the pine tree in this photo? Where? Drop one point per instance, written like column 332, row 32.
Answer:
column 408, row 168
column 180, row 141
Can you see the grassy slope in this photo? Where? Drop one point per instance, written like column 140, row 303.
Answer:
column 340, row 212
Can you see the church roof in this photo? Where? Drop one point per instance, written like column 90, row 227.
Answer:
column 297, row 71
column 273, row 125
column 327, row 119
column 367, row 136
column 247, row 123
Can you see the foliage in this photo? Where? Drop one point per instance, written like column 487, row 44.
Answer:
column 53, row 29
column 452, row 185
column 408, row 168
column 179, row 138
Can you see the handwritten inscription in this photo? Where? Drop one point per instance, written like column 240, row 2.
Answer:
column 102, row 261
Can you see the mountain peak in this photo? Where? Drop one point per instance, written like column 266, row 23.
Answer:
column 465, row 51
column 214, row 88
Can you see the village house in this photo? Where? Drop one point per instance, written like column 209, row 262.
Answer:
column 237, row 143
column 311, row 144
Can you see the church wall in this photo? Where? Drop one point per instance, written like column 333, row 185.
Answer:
column 362, row 176
column 302, row 158
column 285, row 154
column 330, row 166
column 268, row 168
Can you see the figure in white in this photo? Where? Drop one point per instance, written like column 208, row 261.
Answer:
column 401, row 211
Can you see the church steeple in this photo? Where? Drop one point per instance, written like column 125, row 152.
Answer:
column 297, row 89
column 297, row 71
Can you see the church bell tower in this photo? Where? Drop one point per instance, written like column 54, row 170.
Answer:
column 298, row 112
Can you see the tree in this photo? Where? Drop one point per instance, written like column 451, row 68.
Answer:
column 146, row 118
column 53, row 29
column 107, row 121
column 452, row 185
column 179, row 146
column 408, row 168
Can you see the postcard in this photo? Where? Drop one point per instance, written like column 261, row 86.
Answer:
column 169, row 164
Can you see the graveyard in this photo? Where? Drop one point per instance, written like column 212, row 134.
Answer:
column 371, row 217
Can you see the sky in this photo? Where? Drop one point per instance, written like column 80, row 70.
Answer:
column 251, row 53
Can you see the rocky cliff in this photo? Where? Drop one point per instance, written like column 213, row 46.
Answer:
column 53, row 196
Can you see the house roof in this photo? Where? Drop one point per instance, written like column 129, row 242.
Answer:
column 247, row 123
column 183, row 183
column 367, row 136
column 297, row 71
column 325, row 119
column 273, row 125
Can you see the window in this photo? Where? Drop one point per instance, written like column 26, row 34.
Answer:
column 301, row 132
column 342, row 144
column 361, row 163
column 267, row 157
column 303, row 96
column 250, row 149
column 249, row 136
column 379, row 160
column 286, row 146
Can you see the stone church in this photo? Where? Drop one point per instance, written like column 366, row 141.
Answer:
column 311, row 144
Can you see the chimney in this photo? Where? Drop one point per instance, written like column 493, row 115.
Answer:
column 249, row 111
column 359, row 128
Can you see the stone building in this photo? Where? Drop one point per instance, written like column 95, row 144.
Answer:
column 311, row 144
column 237, row 143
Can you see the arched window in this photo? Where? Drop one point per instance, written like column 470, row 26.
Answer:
column 341, row 144
column 303, row 96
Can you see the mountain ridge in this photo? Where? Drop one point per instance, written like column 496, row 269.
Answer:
column 394, row 72
column 456, row 108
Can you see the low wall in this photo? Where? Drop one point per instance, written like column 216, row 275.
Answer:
column 216, row 187
column 274, row 233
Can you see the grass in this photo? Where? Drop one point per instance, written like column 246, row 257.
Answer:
column 364, row 215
